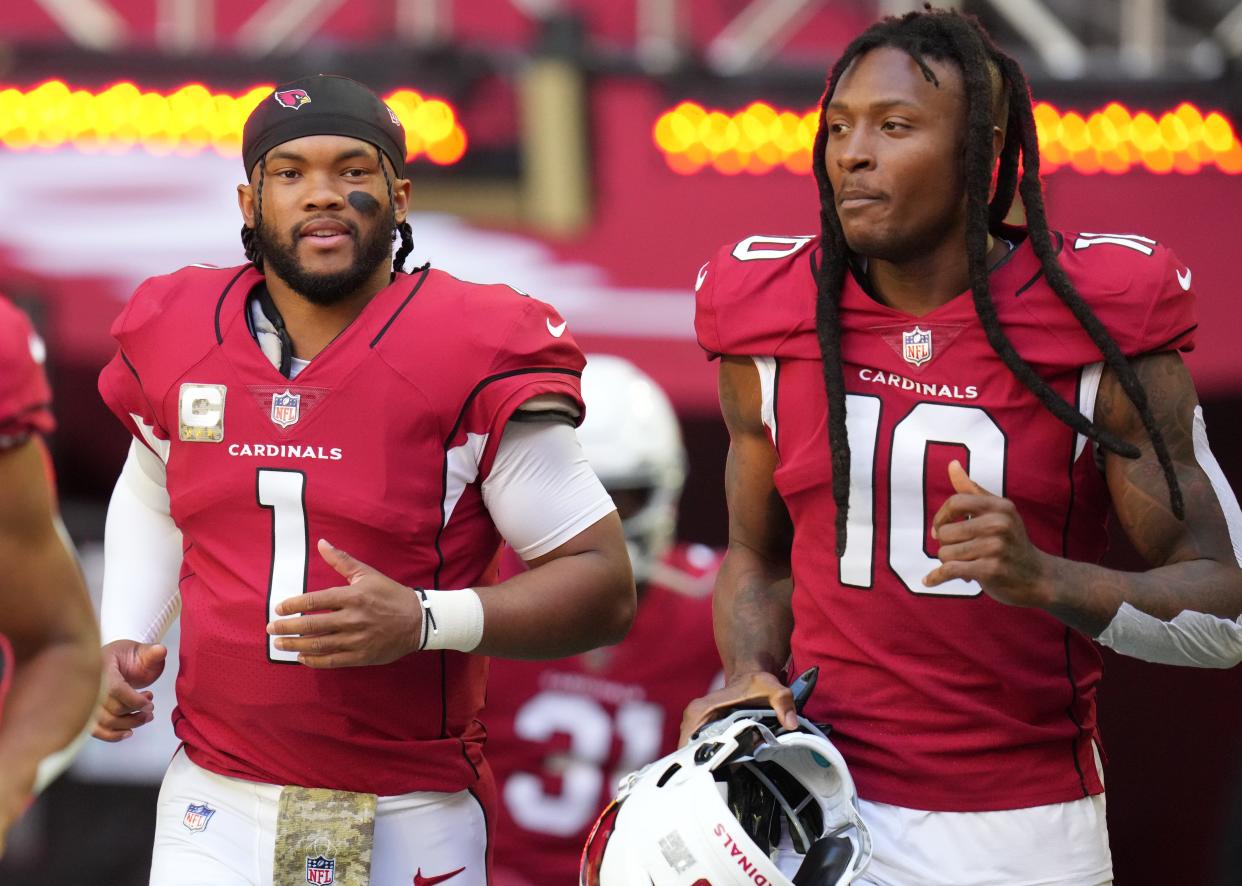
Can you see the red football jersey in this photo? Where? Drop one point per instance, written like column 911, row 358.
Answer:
column 562, row 733
column 380, row 446
column 25, row 399
column 942, row 698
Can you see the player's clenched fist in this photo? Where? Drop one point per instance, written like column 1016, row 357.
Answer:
column 982, row 538
column 372, row 620
column 129, row 667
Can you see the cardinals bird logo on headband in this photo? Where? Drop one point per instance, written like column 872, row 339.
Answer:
column 292, row 98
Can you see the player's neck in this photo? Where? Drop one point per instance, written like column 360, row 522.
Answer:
column 920, row 285
column 312, row 327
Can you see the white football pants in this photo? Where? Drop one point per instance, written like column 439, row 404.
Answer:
column 1063, row 844
column 419, row 838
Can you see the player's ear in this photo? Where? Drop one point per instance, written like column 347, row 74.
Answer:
column 401, row 190
column 245, row 202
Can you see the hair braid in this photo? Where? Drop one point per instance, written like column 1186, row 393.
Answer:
column 402, row 229
column 249, row 235
column 830, row 279
column 1059, row 282
column 977, row 150
column 959, row 39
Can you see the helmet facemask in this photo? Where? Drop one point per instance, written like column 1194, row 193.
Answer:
column 744, row 802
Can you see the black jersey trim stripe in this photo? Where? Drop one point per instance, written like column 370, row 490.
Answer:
column 1069, row 712
column 1029, row 283
column 528, row 370
column 1073, row 461
column 142, row 389
column 487, row 831
column 1164, row 345
column 426, row 269
column 130, row 366
column 223, row 296
column 461, row 417
column 1065, row 534
column 1038, row 274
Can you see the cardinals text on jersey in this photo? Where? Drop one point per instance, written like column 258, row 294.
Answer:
column 397, row 423
column 942, row 698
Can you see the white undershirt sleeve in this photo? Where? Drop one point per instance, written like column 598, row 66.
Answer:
column 142, row 554
column 541, row 492
column 1194, row 639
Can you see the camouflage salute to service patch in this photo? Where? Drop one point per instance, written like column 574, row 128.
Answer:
column 323, row 837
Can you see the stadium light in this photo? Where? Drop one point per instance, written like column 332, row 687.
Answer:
column 187, row 121
column 1113, row 140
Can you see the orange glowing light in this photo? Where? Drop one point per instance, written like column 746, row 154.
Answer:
column 1112, row 140
column 187, row 121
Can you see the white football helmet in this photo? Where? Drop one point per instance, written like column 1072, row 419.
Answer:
column 633, row 443
column 740, row 804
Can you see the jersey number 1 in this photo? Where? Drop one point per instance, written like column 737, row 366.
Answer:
column 284, row 492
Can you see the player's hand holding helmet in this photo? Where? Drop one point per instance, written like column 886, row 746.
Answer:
column 745, row 802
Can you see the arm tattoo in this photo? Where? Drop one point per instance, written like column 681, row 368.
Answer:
column 1192, row 559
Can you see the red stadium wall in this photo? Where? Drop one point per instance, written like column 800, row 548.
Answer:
column 655, row 228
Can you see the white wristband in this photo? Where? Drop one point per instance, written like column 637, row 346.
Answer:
column 451, row 619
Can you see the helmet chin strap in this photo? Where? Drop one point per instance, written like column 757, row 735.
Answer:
column 826, row 861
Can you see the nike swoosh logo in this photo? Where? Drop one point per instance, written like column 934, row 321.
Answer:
column 557, row 331
column 420, row 880
column 1184, row 281
column 698, row 283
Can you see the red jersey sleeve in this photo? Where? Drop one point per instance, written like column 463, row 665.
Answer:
column 1172, row 313
column 534, row 354
column 168, row 324
column 120, row 384
column 1138, row 288
column 25, row 398
column 756, row 297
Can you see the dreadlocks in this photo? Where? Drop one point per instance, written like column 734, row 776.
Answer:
column 950, row 37
column 250, row 240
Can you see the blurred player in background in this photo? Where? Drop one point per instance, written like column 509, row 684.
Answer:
column 49, row 661
column 930, row 413
column 296, row 419
column 560, row 734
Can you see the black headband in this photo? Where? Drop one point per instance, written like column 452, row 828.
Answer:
column 323, row 104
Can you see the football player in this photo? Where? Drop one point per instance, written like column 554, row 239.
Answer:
column 930, row 413
column 560, row 734
column 49, row 661
column 327, row 452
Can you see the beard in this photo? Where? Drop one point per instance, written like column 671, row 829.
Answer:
column 324, row 289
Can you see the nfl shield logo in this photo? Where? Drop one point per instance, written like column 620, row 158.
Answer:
column 196, row 816
column 320, row 871
column 285, row 408
column 916, row 346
